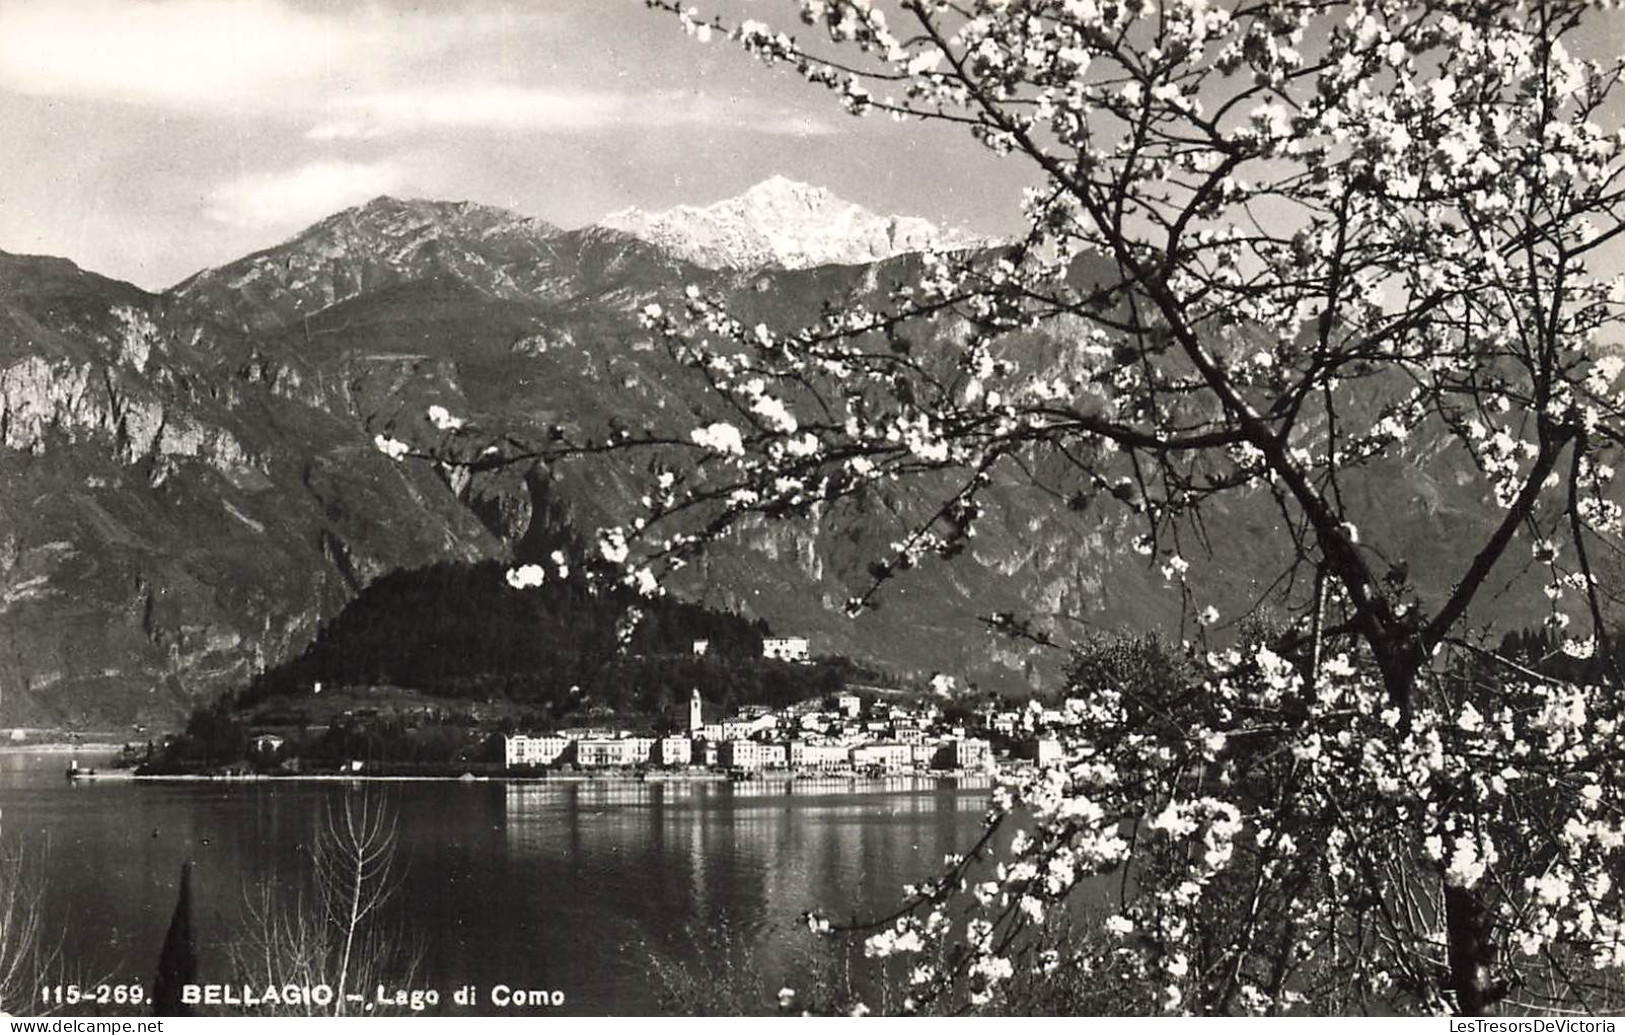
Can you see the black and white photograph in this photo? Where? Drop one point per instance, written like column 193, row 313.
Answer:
column 845, row 508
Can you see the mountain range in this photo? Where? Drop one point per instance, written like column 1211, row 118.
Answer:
column 189, row 484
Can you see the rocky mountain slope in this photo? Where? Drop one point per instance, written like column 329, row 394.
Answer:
column 189, row 485
column 173, row 515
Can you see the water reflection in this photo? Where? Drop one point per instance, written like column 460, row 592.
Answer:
column 563, row 885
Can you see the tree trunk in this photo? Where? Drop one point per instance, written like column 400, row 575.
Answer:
column 1469, row 924
column 1399, row 659
column 1468, row 928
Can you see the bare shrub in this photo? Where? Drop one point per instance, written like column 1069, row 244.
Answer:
column 333, row 933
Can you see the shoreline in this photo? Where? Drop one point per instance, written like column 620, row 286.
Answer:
column 104, row 772
column 89, row 747
column 944, row 781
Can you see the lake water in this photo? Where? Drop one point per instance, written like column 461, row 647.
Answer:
column 564, row 887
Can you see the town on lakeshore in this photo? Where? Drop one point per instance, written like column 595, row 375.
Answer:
column 845, row 734
column 854, row 737
column 853, row 732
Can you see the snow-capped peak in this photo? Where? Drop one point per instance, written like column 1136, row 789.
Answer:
column 780, row 222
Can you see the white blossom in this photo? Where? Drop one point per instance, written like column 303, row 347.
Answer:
column 391, row 447
column 720, row 437
column 526, row 576
column 441, row 418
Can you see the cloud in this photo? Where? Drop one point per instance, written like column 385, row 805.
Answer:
column 349, row 73
column 510, row 108
column 489, row 107
column 295, row 197
column 211, row 54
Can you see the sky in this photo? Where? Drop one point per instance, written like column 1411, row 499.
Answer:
column 147, row 139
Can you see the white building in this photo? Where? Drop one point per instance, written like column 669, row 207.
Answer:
column 733, row 729
column 520, row 749
column 674, row 751
column 594, row 754
column 639, row 750
column 815, row 755
column 892, row 758
column 849, row 705
column 968, row 754
column 742, row 754
column 788, row 648
column 1043, row 750
column 755, row 724
column 701, row 647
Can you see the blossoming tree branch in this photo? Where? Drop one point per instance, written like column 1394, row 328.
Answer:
column 1274, row 251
